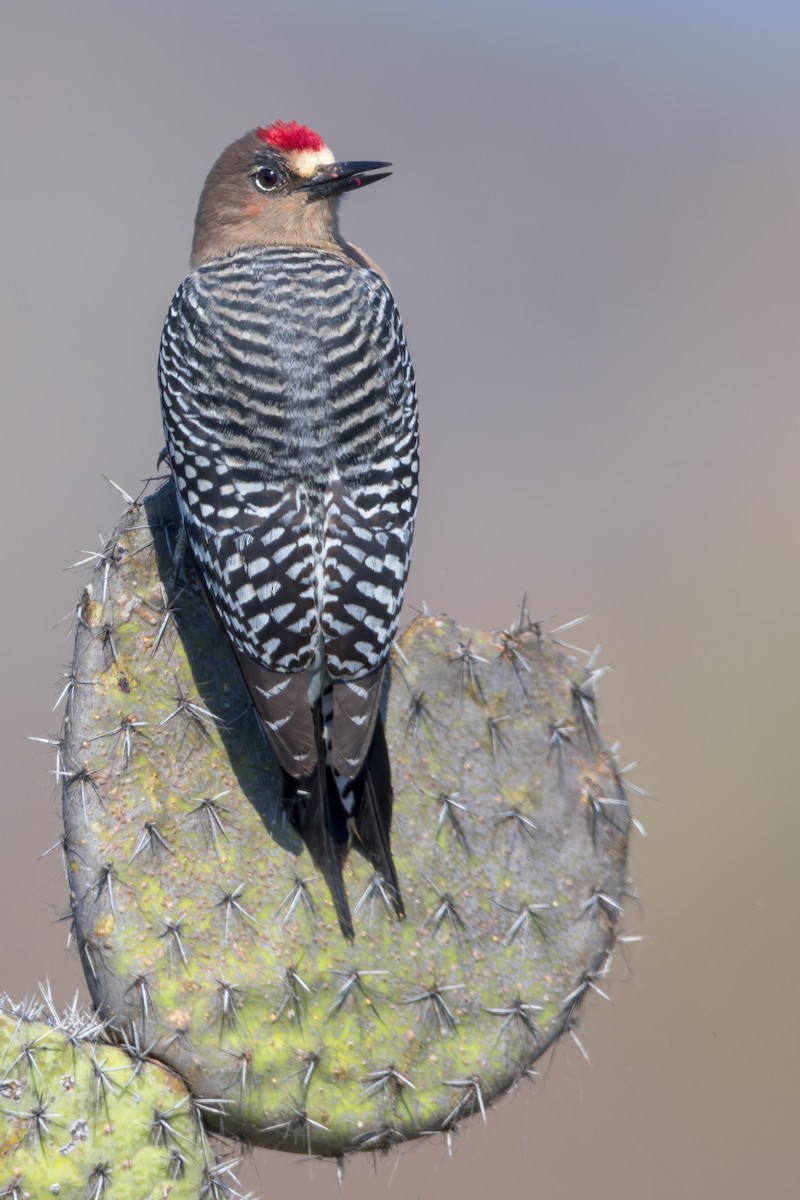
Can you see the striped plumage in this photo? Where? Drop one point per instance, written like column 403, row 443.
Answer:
column 290, row 418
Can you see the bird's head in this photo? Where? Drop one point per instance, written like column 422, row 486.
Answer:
column 277, row 186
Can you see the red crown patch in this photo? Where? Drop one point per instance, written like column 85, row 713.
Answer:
column 289, row 135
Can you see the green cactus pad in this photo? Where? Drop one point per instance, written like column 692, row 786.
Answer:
column 207, row 934
column 81, row 1120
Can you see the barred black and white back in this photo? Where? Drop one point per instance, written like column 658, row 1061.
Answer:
column 290, row 418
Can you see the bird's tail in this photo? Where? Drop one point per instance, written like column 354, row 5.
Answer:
column 316, row 812
column 373, row 800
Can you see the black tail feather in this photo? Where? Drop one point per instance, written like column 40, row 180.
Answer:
column 317, row 814
column 372, row 813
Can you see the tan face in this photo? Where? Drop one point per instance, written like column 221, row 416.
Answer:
column 254, row 196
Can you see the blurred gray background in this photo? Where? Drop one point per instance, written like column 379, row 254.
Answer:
column 592, row 233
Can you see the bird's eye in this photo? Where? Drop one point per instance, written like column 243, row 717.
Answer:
column 266, row 178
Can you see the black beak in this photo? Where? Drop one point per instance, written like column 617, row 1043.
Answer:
column 344, row 177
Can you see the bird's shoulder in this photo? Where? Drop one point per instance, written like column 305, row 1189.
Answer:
column 265, row 286
column 291, row 268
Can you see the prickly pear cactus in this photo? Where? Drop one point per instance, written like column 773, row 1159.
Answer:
column 80, row 1119
column 206, row 934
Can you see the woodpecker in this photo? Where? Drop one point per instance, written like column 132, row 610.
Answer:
column 290, row 416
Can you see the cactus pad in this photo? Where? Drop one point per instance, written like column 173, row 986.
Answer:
column 207, row 935
column 81, row 1119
